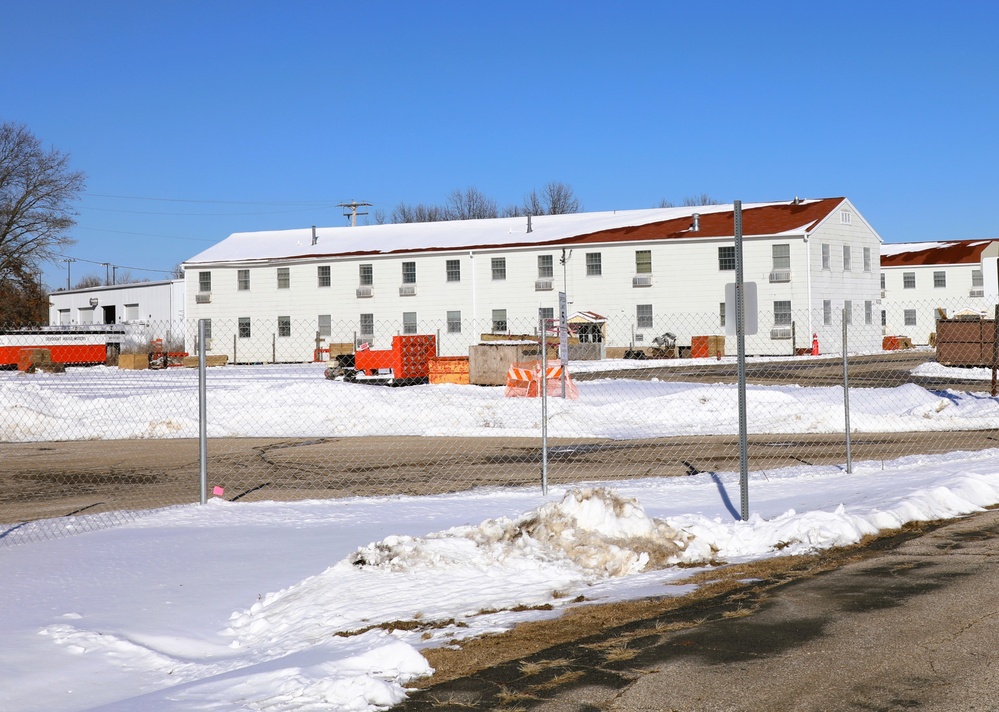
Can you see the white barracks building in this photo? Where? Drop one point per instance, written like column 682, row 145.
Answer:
column 629, row 277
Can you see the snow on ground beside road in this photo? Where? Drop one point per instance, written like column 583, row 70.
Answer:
column 325, row 605
column 107, row 403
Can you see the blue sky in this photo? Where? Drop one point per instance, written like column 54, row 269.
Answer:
column 226, row 116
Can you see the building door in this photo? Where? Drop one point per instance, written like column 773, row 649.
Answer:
column 109, row 314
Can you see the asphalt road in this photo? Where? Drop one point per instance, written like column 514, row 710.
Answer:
column 910, row 622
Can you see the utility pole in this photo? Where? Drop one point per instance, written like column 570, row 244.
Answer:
column 350, row 210
column 69, row 269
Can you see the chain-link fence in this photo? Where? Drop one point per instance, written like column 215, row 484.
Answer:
column 100, row 422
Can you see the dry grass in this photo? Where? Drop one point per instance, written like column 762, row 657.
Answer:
column 529, row 668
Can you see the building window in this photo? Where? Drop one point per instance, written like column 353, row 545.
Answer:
column 781, row 257
column 940, row 279
column 593, row 265
column 208, row 329
column 910, row 317
column 131, row 312
column 868, row 312
column 867, row 259
column 499, row 321
column 365, row 275
column 367, row 326
column 454, row 322
column 845, row 217
column 976, row 278
column 409, row 273
column 546, row 266
column 882, row 280
column 453, row 270
column 323, row 276
column 244, row 327
column 204, row 281
column 643, row 316
column 284, row 326
column 547, row 316
column 499, row 268
column 827, row 311
column 726, row 258
column 782, row 313
column 242, row 279
column 325, row 325
column 847, row 259
column 848, row 312
column 643, row 261
column 825, row 256
column 721, row 314
column 409, row 323
column 284, row 278
column 909, row 280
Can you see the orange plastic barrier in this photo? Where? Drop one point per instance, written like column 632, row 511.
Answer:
column 523, row 380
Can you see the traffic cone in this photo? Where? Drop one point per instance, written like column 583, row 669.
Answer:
column 815, row 344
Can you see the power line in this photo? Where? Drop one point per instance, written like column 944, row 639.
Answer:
column 317, row 203
column 266, row 212
column 146, row 234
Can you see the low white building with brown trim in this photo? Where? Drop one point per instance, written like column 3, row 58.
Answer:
column 646, row 272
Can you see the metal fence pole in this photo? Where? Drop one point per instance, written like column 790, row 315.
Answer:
column 846, row 399
column 544, row 408
column 202, row 412
column 740, row 332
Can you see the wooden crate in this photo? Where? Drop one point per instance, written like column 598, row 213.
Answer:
column 449, row 369
column 710, row 346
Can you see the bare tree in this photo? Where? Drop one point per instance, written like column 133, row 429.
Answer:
column 470, row 204
column 690, row 201
column 555, row 198
column 512, row 211
column 37, row 188
column 403, row 213
column 23, row 300
column 177, row 272
column 89, row 280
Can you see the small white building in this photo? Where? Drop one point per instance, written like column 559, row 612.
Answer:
column 156, row 306
column 646, row 272
column 924, row 281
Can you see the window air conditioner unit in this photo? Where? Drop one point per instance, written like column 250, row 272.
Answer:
column 407, row 290
column 780, row 275
column 203, row 298
column 641, row 280
column 780, row 332
column 544, row 284
column 365, row 290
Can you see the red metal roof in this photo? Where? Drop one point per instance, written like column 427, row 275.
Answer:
column 952, row 252
column 764, row 220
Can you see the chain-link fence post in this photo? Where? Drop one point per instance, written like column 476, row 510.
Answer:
column 202, row 412
column 846, row 397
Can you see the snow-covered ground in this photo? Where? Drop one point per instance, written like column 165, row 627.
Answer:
column 311, row 605
column 296, row 401
column 325, row 605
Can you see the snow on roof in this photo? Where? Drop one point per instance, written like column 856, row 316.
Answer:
column 716, row 220
column 946, row 252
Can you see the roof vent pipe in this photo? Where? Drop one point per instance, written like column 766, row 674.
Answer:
column 529, row 228
column 697, row 222
column 315, row 237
